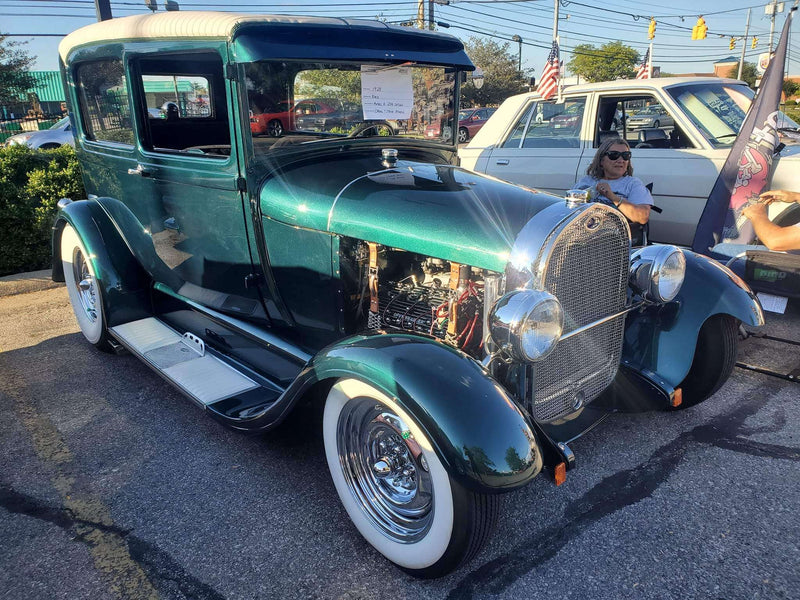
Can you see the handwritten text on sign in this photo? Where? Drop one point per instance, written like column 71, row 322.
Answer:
column 386, row 92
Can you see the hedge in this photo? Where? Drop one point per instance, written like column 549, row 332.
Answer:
column 31, row 184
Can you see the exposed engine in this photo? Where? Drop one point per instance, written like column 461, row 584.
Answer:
column 401, row 291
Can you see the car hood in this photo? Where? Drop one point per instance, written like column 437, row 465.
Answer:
column 437, row 210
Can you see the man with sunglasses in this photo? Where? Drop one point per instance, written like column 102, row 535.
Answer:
column 610, row 180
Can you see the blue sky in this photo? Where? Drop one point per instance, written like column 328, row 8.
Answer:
column 583, row 21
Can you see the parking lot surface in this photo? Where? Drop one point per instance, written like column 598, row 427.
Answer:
column 112, row 485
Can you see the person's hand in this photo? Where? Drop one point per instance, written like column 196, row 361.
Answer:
column 604, row 189
column 755, row 210
column 779, row 196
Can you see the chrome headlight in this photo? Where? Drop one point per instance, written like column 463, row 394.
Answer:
column 657, row 272
column 526, row 324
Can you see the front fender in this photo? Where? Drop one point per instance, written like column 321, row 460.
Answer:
column 123, row 283
column 662, row 339
column 478, row 432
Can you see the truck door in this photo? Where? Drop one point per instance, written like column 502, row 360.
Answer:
column 544, row 147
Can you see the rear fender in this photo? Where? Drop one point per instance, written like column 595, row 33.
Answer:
column 123, row 283
column 476, row 429
column 662, row 339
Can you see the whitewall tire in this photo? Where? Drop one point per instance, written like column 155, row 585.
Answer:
column 83, row 288
column 394, row 487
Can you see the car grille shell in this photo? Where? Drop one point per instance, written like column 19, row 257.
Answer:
column 585, row 266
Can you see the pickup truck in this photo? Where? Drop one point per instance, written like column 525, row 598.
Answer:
column 681, row 154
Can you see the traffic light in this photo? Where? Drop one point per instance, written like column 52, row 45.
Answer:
column 754, row 42
column 651, row 30
column 700, row 29
column 732, row 45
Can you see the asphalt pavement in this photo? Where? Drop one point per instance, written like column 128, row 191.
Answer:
column 112, row 485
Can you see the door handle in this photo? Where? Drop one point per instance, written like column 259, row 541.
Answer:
column 140, row 171
column 502, row 161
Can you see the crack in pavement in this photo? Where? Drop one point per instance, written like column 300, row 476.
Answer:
column 619, row 491
column 171, row 580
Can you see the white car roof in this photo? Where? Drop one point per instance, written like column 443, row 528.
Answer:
column 627, row 85
column 188, row 24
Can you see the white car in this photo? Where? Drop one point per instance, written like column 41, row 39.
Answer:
column 58, row 135
column 681, row 157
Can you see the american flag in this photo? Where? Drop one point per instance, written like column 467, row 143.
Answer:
column 548, row 84
column 644, row 68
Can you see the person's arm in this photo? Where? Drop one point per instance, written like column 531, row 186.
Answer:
column 779, row 196
column 772, row 236
column 638, row 213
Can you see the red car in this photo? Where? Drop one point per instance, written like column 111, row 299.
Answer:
column 470, row 120
column 282, row 117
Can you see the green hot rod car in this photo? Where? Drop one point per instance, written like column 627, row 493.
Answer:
column 460, row 330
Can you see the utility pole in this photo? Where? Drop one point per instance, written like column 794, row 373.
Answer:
column 772, row 9
column 430, row 15
column 103, row 9
column 518, row 39
column 744, row 44
column 555, row 20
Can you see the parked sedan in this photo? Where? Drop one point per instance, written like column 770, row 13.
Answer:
column 470, row 121
column 650, row 116
column 680, row 148
column 47, row 139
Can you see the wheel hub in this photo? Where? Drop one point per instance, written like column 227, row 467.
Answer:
column 385, row 470
column 86, row 285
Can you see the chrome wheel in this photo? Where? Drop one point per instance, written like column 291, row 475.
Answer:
column 385, row 470
column 275, row 128
column 87, row 293
column 83, row 288
column 395, row 488
column 463, row 135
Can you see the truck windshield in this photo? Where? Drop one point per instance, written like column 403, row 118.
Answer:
column 292, row 103
column 718, row 110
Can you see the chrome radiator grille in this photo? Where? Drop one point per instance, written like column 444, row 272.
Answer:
column 587, row 270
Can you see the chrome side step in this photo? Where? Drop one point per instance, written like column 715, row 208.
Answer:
column 183, row 361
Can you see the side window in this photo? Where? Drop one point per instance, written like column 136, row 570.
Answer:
column 183, row 105
column 551, row 125
column 104, row 102
column 514, row 140
column 642, row 120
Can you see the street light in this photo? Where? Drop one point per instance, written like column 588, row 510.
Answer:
column 516, row 38
column 477, row 78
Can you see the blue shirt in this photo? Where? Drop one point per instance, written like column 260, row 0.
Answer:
column 630, row 189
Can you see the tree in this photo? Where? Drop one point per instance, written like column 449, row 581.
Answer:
column 501, row 78
column 613, row 60
column 749, row 74
column 15, row 64
column 790, row 87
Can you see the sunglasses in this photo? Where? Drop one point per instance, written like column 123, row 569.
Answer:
column 615, row 154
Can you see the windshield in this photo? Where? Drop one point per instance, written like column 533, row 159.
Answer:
column 718, row 110
column 292, row 102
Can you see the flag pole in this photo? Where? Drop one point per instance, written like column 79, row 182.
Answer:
column 650, row 61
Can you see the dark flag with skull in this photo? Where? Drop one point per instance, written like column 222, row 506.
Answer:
column 747, row 170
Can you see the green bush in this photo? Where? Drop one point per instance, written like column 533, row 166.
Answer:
column 31, row 184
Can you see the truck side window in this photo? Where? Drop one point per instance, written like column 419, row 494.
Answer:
column 185, row 108
column 104, row 103
column 642, row 120
column 552, row 125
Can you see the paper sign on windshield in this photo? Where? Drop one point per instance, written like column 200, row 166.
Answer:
column 386, row 93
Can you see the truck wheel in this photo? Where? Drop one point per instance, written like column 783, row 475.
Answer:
column 463, row 135
column 84, row 292
column 275, row 128
column 714, row 359
column 394, row 487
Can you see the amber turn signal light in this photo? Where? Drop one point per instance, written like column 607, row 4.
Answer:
column 677, row 398
column 560, row 473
